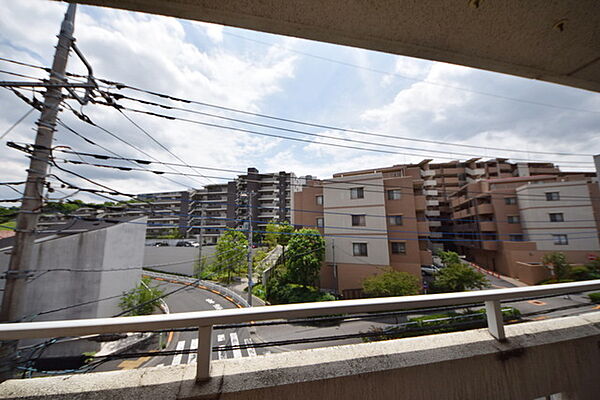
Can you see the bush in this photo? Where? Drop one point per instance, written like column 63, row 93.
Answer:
column 141, row 299
column 594, row 297
column 581, row 273
column 391, row 283
column 289, row 293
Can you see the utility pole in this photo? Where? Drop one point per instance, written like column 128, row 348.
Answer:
column 31, row 206
column 335, row 274
column 200, row 267
column 250, row 281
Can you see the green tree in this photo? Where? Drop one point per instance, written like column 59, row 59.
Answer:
column 278, row 233
column 139, row 300
column 231, row 255
column 304, row 257
column 559, row 267
column 459, row 277
column 391, row 283
column 449, row 257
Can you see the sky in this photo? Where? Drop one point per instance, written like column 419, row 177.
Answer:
column 319, row 83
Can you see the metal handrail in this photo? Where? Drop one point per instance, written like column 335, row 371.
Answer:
column 205, row 320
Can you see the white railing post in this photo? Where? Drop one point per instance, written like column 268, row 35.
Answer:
column 495, row 320
column 204, row 353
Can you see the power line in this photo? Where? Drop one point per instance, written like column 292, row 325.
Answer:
column 164, row 106
column 13, row 126
column 317, row 135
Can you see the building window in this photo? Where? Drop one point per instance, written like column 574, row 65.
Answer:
column 560, row 239
column 357, row 193
column 514, row 219
column 393, row 194
column 359, row 220
column 557, row 217
column 320, row 222
column 359, row 249
column 510, row 200
column 319, row 200
column 517, row 237
column 552, row 196
column 398, row 248
column 395, row 220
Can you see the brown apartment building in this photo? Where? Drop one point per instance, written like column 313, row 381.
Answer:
column 508, row 224
column 395, row 216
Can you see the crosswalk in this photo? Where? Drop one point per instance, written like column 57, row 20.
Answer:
column 223, row 340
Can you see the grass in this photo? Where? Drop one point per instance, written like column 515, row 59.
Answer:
column 8, row 226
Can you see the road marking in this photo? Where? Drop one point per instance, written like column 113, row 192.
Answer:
column 222, row 354
column 237, row 353
column 540, row 318
column 193, row 346
column 160, row 365
column 133, row 364
column 220, row 337
column 597, row 308
column 251, row 351
column 218, row 306
column 210, row 301
column 178, row 357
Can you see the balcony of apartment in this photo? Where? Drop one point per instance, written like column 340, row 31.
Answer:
column 429, row 182
column 420, row 202
column 487, row 226
column 462, row 213
column 485, row 208
column 475, row 171
column 432, row 203
column 543, row 170
column 451, row 180
column 551, row 358
column 452, row 171
column 431, row 192
column 436, row 235
column 427, row 173
column 434, row 223
column 432, row 213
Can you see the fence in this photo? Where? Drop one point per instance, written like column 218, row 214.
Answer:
column 205, row 320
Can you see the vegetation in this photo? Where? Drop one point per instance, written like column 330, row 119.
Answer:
column 7, row 215
column 594, row 297
column 304, row 257
column 230, row 257
column 139, row 300
column 277, row 233
column 458, row 277
column 391, row 283
column 439, row 323
column 559, row 267
column 449, row 257
column 287, row 293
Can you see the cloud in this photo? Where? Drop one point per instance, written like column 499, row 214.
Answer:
column 155, row 53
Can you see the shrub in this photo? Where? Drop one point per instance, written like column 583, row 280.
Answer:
column 581, row 273
column 557, row 262
column 458, row 278
column 289, row 293
column 594, row 297
column 391, row 283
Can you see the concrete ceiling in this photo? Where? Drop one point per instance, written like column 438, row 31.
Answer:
column 551, row 40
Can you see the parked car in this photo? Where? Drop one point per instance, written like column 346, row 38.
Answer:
column 429, row 270
column 183, row 243
column 161, row 244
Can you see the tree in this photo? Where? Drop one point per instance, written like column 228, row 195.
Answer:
column 140, row 300
column 278, row 233
column 304, row 257
column 231, row 253
column 459, row 277
column 449, row 257
column 391, row 283
column 559, row 267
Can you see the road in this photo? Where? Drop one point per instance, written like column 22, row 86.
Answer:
column 191, row 299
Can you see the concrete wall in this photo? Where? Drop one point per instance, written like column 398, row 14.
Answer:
column 539, row 359
column 179, row 260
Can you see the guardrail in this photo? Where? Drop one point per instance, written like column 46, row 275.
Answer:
column 207, row 284
column 205, row 320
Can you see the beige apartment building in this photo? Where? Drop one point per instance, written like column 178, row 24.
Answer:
column 508, row 224
column 395, row 216
column 370, row 220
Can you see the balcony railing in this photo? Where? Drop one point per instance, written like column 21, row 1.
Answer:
column 205, row 320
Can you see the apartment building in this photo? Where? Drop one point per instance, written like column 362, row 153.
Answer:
column 508, row 224
column 370, row 220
